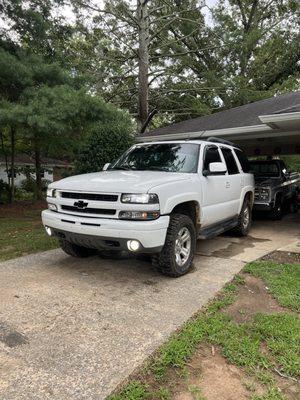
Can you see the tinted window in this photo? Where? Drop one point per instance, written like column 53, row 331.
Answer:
column 211, row 154
column 175, row 157
column 230, row 161
column 265, row 168
column 243, row 160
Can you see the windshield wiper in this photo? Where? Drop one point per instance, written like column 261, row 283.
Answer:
column 123, row 168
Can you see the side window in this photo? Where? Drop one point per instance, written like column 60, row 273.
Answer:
column 211, row 154
column 243, row 160
column 230, row 161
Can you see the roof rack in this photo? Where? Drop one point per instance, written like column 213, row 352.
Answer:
column 219, row 140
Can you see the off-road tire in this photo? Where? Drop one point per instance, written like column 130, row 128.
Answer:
column 276, row 213
column 74, row 250
column 241, row 229
column 165, row 261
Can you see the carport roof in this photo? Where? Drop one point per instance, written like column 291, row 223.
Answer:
column 246, row 115
column 265, row 127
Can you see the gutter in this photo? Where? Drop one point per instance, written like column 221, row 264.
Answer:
column 236, row 131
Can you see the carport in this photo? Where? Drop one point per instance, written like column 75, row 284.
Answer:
column 265, row 127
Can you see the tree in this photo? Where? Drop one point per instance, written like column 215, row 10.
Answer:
column 249, row 50
column 100, row 146
column 44, row 103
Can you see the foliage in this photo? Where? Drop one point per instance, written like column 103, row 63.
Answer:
column 46, row 108
column 201, row 58
column 105, row 143
column 292, row 162
column 4, row 192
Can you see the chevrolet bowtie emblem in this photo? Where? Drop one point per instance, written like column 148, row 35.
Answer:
column 80, row 204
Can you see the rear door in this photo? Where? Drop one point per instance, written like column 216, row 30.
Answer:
column 234, row 182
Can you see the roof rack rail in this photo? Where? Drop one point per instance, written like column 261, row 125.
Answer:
column 219, row 140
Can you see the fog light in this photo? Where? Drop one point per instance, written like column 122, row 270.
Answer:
column 133, row 245
column 48, row 230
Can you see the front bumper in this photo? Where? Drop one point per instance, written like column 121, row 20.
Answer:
column 262, row 206
column 102, row 233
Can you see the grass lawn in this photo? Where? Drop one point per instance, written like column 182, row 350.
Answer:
column 21, row 230
column 244, row 345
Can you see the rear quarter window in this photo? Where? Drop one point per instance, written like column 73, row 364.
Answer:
column 245, row 164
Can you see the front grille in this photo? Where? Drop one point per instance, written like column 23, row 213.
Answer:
column 89, row 196
column 89, row 210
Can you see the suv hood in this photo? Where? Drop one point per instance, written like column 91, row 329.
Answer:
column 118, row 181
column 262, row 181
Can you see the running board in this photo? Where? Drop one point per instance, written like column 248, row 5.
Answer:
column 216, row 229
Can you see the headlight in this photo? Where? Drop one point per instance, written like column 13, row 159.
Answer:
column 262, row 194
column 143, row 198
column 52, row 207
column 51, row 192
column 139, row 215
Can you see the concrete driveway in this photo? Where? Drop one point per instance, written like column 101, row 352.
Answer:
column 75, row 329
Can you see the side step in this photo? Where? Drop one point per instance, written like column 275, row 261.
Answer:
column 216, row 229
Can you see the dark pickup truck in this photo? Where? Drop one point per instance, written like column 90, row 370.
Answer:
column 275, row 187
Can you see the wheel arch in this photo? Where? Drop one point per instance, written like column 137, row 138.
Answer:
column 190, row 208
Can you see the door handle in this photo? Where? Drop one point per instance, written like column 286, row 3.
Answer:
column 227, row 185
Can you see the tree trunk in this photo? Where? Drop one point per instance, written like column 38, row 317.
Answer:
column 143, row 22
column 12, row 165
column 38, row 171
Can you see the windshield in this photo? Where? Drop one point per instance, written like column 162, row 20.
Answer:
column 169, row 157
column 266, row 169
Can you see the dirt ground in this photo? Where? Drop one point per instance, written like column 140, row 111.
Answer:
column 282, row 257
column 208, row 375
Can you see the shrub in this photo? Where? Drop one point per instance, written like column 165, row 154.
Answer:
column 105, row 143
column 4, row 192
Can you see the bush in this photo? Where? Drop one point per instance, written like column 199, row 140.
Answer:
column 105, row 144
column 4, row 192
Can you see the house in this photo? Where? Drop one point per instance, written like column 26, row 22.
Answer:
column 24, row 167
column 265, row 127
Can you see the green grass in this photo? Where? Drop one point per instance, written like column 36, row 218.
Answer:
column 283, row 281
column 240, row 344
column 272, row 394
column 22, row 233
column 281, row 334
column 132, row 391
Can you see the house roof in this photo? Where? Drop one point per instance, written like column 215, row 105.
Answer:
column 25, row 159
column 242, row 116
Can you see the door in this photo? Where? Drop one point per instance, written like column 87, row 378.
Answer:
column 214, row 205
column 234, row 182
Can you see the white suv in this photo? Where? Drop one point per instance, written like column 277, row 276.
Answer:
column 158, row 198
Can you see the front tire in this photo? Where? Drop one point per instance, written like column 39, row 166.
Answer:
column 177, row 255
column 277, row 212
column 74, row 250
column 244, row 220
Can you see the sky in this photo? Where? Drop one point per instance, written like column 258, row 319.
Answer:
column 99, row 3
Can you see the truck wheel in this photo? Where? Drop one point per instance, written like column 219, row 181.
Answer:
column 244, row 220
column 177, row 255
column 276, row 213
column 74, row 250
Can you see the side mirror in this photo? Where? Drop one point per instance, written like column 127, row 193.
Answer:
column 215, row 168
column 106, row 166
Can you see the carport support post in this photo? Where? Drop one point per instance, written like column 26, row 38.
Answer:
column 143, row 26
